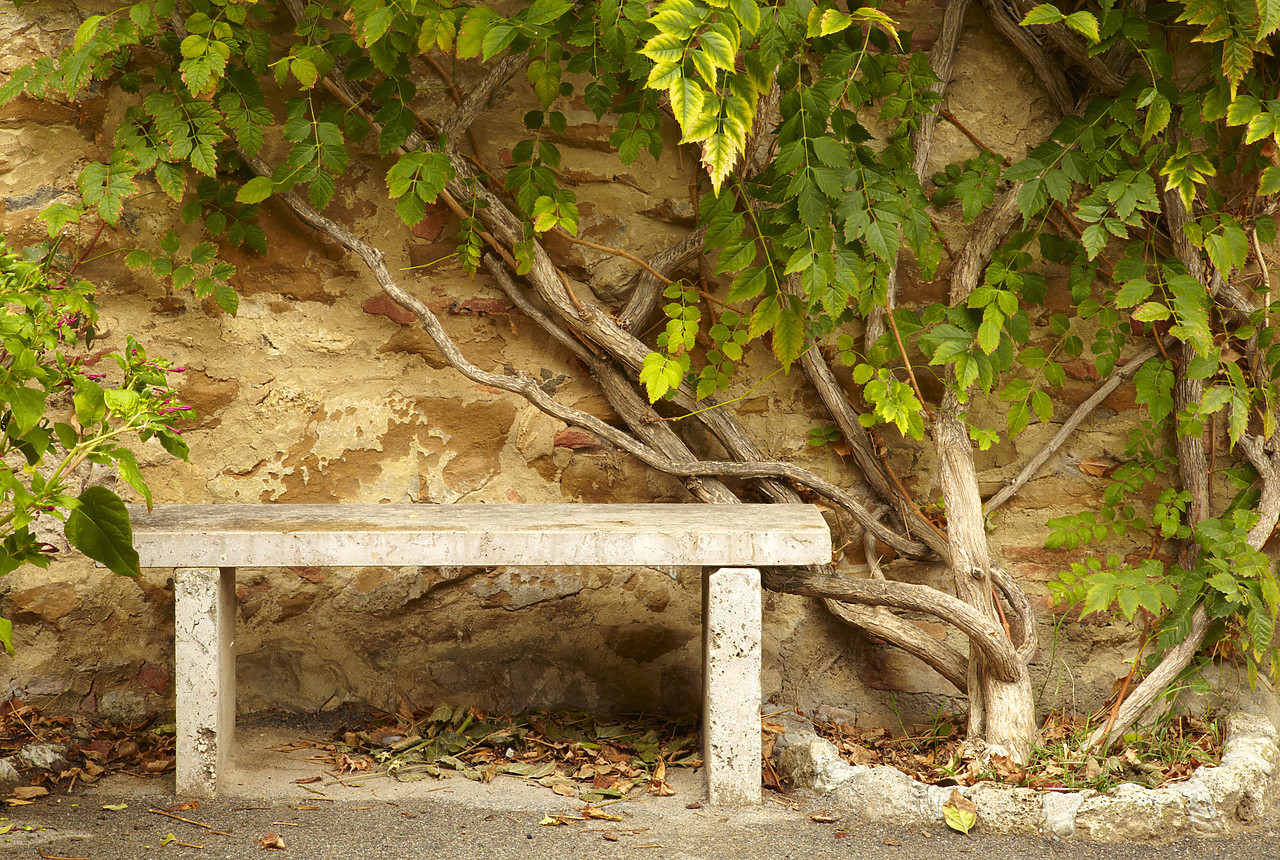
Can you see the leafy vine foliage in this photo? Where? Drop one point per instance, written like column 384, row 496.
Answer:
column 1144, row 218
column 59, row 410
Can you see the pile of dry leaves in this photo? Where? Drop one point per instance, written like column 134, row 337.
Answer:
column 933, row 754
column 572, row 753
column 70, row 751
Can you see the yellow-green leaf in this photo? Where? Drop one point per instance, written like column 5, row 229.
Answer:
column 833, row 21
column 687, row 99
column 86, row 31
column 959, row 812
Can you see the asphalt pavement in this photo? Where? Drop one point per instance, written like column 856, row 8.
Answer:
column 373, row 817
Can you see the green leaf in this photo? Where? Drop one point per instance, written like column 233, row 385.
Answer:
column 1158, row 115
column 788, row 338
column 255, row 190
column 1045, row 13
column 25, row 404
column 1085, row 24
column 1152, row 312
column 127, row 465
column 687, row 100
column 1269, row 183
column 99, row 527
column 719, row 48
column 6, row 635
column 86, row 31
column 475, row 26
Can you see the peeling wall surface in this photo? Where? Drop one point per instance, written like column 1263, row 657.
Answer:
column 320, row 390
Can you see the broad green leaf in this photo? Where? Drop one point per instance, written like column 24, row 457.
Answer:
column 25, row 404
column 546, row 11
column 1158, row 115
column 475, row 26
column 127, row 465
column 99, row 527
column 833, row 21
column 1269, row 183
column 788, row 338
column 1268, row 17
column 1152, row 312
column 747, row 13
column 879, row 20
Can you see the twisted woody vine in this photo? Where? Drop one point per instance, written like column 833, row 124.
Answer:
column 811, row 125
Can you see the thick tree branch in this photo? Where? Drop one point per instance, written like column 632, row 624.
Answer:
column 942, row 59
column 900, row 633
column 618, row 391
column 1194, row 471
column 1001, row 706
column 842, row 412
column 983, row 632
column 646, row 290
column 478, row 96
column 1048, row 70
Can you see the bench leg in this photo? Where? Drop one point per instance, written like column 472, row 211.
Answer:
column 205, row 678
column 731, row 686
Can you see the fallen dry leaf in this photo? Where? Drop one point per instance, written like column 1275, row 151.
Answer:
column 890, row 841
column 959, row 812
column 308, row 780
column 1093, row 467
column 272, row 840
column 609, row 836
column 30, row 792
column 590, row 812
column 185, row 806
column 661, row 789
column 823, row 818
column 564, row 790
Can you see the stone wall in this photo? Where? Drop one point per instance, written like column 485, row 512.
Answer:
column 321, row 390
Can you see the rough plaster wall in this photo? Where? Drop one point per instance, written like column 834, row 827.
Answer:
column 320, row 390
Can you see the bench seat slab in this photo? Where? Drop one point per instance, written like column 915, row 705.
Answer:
column 659, row 535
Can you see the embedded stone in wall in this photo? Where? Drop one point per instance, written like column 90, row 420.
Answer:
column 516, row 589
column 154, row 678
column 382, row 306
column 43, row 603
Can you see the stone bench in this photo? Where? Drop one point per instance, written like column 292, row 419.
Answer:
column 204, row 544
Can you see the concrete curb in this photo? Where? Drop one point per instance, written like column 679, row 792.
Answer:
column 1215, row 801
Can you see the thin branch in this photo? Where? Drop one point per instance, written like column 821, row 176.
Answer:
column 618, row 391
column 1023, row 612
column 1083, row 411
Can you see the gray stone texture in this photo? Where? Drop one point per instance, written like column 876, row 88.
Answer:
column 1215, row 801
